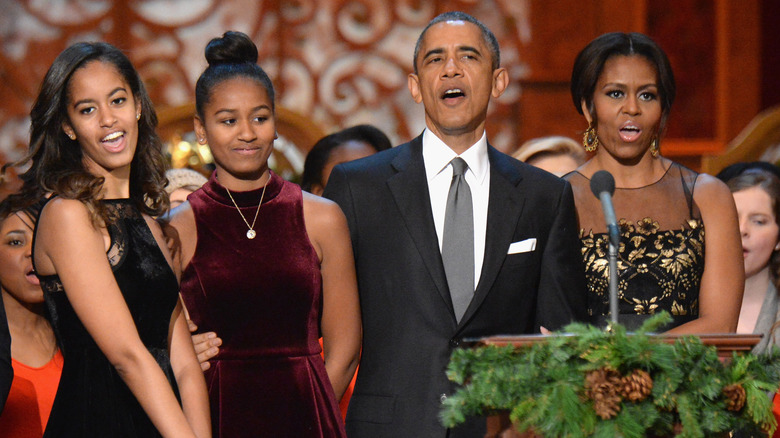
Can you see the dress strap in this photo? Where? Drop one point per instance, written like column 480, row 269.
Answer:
column 688, row 186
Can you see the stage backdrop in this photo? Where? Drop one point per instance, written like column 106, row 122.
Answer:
column 344, row 62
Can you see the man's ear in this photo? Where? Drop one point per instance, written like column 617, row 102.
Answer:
column 500, row 82
column 200, row 130
column 414, row 87
column 586, row 111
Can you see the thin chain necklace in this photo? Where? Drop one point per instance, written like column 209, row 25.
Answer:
column 251, row 233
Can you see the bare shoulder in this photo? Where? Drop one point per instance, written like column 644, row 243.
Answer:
column 321, row 212
column 53, row 241
column 65, row 213
column 711, row 193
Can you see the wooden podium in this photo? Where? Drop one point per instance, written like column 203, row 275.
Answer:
column 499, row 426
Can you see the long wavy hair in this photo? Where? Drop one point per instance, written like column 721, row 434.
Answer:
column 57, row 162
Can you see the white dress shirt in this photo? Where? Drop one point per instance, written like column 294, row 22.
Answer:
column 438, row 172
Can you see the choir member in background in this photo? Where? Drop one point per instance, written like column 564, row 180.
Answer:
column 555, row 154
column 346, row 145
column 37, row 360
column 757, row 196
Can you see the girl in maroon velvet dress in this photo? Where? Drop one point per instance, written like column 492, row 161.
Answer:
column 266, row 266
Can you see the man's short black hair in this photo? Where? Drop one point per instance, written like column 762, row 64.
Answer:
column 487, row 35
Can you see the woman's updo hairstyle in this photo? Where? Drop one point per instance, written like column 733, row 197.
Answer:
column 232, row 55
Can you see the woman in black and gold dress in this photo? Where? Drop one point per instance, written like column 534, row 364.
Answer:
column 679, row 245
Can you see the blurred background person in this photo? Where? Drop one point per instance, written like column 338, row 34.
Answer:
column 756, row 189
column 37, row 361
column 556, row 154
column 342, row 146
column 757, row 196
column 736, row 169
column 624, row 86
column 182, row 182
column 6, row 369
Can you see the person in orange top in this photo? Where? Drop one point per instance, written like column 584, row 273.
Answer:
column 36, row 360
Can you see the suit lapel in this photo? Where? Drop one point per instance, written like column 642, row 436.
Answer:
column 409, row 187
column 504, row 208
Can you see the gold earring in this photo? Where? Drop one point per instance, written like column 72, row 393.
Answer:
column 654, row 148
column 138, row 116
column 590, row 140
column 71, row 135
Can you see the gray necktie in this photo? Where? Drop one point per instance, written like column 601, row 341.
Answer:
column 458, row 242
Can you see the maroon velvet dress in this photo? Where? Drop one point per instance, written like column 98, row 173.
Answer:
column 263, row 297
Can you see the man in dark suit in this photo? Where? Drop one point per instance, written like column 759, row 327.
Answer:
column 522, row 263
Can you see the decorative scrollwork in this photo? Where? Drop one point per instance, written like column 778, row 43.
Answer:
column 336, row 62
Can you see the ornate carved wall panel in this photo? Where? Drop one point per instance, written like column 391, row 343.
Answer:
column 343, row 62
column 338, row 62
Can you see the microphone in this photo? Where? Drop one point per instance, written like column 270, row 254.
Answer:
column 602, row 184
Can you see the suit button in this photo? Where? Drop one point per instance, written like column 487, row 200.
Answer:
column 443, row 398
column 454, row 343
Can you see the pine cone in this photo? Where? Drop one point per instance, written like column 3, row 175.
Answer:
column 636, row 386
column 735, row 396
column 603, row 387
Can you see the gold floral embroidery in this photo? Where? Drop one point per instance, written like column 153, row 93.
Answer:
column 647, row 226
column 644, row 307
column 677, row 309
column 657, row 269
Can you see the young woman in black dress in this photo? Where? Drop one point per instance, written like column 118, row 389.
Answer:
column 130, row 368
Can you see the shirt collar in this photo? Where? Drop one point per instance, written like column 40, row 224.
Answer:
column 437, row 155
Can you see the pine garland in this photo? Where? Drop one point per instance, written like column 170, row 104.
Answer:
column 609, row 384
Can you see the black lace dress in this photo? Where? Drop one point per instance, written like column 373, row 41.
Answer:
column 92, row 400
column 661, row 252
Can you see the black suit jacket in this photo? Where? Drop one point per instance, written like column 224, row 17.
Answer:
column 6, row 372
column 409, row 327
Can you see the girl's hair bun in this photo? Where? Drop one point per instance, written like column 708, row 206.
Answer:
column 232, row 48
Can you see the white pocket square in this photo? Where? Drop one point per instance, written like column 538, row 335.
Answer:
column 526, row 245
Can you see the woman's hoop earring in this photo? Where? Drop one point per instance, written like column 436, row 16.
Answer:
column 590, row 140
column 654, row 148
